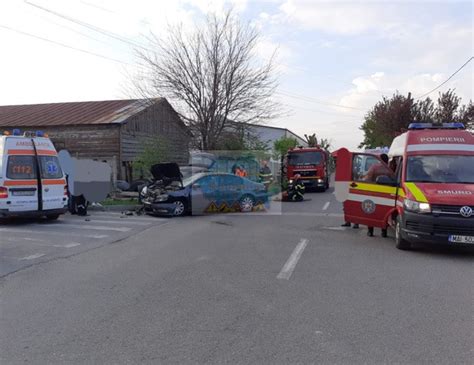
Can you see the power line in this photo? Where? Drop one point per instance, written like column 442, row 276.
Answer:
column 87, row 25
column 74, row 30
column 449, row 78
column 309, row 99
column 96, row 6
column 320, row 111
column 63, row 44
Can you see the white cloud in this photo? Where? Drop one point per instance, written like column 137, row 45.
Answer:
column 338, row 17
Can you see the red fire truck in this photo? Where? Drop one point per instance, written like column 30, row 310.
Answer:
column 311, row 163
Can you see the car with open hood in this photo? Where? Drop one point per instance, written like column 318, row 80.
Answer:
column 200, row 193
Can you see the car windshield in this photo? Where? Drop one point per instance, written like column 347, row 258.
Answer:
column 193, row 178
column 441, row 169
column 305, row 158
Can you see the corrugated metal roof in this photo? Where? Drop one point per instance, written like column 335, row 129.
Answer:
column 74, row 113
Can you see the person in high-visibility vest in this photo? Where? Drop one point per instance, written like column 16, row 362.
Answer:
column 240, row 171
column 265, row 175
column 296, row 189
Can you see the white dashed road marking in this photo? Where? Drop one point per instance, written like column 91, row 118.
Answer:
column 88, row 226
column 123, row 222
column 326, row 205
column 32, row 257
column 49, row 232
column 290, row 265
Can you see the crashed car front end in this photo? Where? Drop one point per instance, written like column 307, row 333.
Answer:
column 155, row 200
column 158, row 196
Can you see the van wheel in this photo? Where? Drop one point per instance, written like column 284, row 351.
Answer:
column 52, row 217
column 402, row 244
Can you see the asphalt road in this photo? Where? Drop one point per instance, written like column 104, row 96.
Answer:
column 289, row 286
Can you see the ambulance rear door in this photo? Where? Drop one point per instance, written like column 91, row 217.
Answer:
column 20, row 175
column 52, row 178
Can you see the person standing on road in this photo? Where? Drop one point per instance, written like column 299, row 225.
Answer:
column 379, row 169
column 265, row 174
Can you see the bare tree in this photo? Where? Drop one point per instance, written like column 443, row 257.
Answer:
column 212, row 75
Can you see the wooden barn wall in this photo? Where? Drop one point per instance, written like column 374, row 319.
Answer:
column 99, row 142
column 158, row 120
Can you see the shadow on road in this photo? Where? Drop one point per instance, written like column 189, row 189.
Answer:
column 456, row 252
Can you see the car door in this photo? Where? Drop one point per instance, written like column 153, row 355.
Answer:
column 231, row 190
column 365, row 201
column 204, row 195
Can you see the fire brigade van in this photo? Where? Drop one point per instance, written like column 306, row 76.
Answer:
column 31, row 180
column 426, row 192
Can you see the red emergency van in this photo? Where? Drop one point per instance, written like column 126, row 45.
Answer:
column 426, row 192
column 31, row 180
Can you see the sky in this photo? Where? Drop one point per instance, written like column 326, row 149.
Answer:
column 335, row 59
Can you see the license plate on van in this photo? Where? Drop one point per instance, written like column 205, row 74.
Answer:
column 23, row 193
column 461, row 239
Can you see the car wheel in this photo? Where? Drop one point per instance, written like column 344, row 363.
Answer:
column 179, row 208
column 247, row 203
column 52, row 217
column 402, row 244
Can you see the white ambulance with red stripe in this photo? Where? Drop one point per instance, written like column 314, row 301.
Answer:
column 32, row 182
column 426, row 192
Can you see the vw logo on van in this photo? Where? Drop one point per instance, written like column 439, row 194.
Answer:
column 466, row 211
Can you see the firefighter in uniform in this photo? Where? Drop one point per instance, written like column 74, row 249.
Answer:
column 265, row 174
column 296, row 189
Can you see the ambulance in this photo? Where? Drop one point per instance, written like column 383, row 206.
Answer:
column 31, row 180
column 426, row 192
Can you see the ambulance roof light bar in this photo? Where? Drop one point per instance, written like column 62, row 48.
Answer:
column 419, row 126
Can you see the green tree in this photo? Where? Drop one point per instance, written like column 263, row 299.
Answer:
column 448, row 105
column 311, row 140
column 282, row 145
column 154, row 151
column 391, row 116
column 386, row 119
column 325, row 144
column 424, row 111
column 466, row 115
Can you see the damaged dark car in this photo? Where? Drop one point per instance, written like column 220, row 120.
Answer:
column 171, row 195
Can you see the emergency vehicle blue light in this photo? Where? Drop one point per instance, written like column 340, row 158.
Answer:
column 39, row 133
column 420, row 126
column 453, row 125
column 16, row 132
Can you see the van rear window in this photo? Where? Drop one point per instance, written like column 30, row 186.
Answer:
column 50, row 168
column 21, row 167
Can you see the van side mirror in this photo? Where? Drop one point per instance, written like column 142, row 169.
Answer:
column 385, row 180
